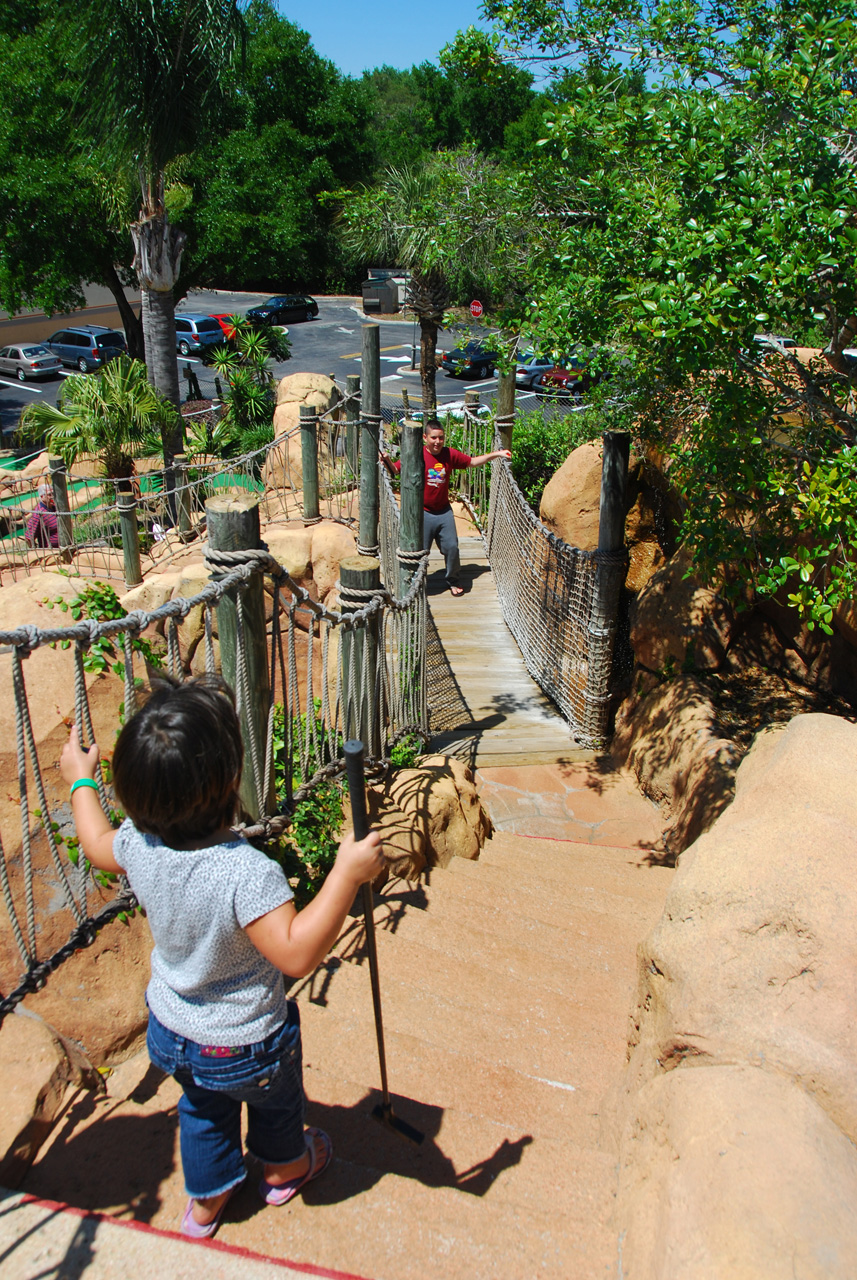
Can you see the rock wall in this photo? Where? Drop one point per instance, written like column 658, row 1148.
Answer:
column 737, row 1115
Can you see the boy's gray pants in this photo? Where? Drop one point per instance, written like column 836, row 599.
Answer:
column 441, row 529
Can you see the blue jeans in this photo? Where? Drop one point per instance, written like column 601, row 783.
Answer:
column 268, row 1076
column 441, row 529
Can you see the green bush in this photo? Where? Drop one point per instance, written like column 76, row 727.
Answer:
column 542, row 441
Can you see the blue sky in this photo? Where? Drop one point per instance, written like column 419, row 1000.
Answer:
column 358, row 36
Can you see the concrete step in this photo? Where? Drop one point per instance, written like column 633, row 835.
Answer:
column 535, row 864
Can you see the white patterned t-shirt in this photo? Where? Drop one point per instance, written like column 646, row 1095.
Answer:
column 208, row 983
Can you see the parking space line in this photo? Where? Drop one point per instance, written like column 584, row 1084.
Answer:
column 22, row 386
column 392, row 377
column 478, row 386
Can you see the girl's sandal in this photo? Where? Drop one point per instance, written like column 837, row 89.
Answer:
column 198, row 1230
column 286, row 1191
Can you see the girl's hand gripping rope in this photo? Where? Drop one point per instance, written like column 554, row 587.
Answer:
column 75, row 763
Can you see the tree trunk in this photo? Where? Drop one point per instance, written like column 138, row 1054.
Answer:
column 428, row 372
column 157, row 257
column 130, row 323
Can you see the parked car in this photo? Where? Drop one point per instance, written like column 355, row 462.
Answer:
column 775, row 341
column 473, row 360
column 225, row 322
column 453, row 411
column 31, row 361
column 86, row 346
column 195, row 332
column 576, row 375
column 283, row 308
column 529, row 367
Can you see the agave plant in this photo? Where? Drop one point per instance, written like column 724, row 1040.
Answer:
column 115, row 415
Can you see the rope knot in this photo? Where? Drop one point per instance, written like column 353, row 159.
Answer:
column 31, row 631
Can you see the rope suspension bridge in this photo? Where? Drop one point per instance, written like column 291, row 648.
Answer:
column 314, row 674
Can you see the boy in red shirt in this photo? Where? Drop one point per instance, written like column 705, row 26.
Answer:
column 438, row 518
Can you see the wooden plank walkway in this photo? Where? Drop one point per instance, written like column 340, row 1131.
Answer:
column 484, row 706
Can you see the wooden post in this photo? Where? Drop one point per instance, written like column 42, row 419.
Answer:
column 411, row 506
column 182, row 497
column 59, row 484
column 367, row 541
column 309, row 462
column 352, row 423
column 609, row 577
column 233, row 525
column 504, row 419
column 358, row 654
column 127, row 508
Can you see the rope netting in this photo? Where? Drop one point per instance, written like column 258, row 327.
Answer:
column 333, row 673
column 554, row 597
column 170, row 503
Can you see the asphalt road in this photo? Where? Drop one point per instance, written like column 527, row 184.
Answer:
column 329, row 344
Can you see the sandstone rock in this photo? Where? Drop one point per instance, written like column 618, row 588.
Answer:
column 750, row 971
column 404, row 840
column 668, row 737
column 48, row 672
column 754, row 956
column 283, row 467
column 736, row 1172
column 331, row 544
column 440, row 796
column 570, row 502
column 35, row 1070
column 676, row 622
column 292, row 547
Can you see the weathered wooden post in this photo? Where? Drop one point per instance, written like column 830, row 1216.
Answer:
column 233, row 525
column 609, row 577
column 504, row 419
column 183, row 521
column 352, row 423
column 411, row 505
column 367, row 540
column 309, row 463
column 59, row 484
column 361, row 713
column 126, row 505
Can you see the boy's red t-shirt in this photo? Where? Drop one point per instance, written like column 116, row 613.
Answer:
column 437, row 472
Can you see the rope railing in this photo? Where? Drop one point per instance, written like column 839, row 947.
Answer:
column 321, row 683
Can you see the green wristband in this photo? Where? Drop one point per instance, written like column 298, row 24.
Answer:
column 83, row 782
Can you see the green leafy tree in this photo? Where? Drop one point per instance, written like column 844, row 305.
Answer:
column 115, row 415
column 684, row 219
column 60, row 222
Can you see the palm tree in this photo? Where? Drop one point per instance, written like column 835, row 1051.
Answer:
column 396, row 223
column 155, row 69
column 115, row 415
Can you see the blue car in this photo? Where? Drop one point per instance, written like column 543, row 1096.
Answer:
column 195, row 332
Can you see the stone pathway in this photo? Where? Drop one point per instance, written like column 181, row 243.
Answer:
column 506, row 986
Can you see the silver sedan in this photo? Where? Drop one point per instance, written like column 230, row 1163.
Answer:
column 33, row 361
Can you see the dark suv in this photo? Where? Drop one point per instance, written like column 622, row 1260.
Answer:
column 473, row 360
column 284, row 308
column 87, row 346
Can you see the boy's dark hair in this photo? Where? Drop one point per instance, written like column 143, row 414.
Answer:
column 433, row 424
column 177, row 762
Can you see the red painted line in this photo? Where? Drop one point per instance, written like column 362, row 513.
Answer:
column 307, row 1268
column 586, row 844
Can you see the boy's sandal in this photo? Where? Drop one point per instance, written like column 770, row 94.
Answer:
column 286, row 1191
column 201, row 1231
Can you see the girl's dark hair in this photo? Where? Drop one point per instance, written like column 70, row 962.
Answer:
column 177, row 762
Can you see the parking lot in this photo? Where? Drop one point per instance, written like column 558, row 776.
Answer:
column 330, row 344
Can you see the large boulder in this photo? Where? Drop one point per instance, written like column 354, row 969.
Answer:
column 36, row 1067
column 738, row 1109
column 668, row 735
column 283, row 467
column 678, row 624
column 440, row 797
column 331, row 544
column 572, row 497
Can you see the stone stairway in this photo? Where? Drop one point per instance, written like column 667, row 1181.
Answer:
column 506, row 986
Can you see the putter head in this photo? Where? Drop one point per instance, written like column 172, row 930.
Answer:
column 384, row 1115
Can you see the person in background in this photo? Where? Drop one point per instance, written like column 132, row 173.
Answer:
column 438, row 517
column 42, row 529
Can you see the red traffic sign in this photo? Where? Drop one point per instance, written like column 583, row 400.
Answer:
column 476, row 308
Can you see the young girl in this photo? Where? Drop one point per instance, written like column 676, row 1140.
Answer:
column 225, row 928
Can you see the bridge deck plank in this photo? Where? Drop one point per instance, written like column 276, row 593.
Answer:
column 484, row 704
